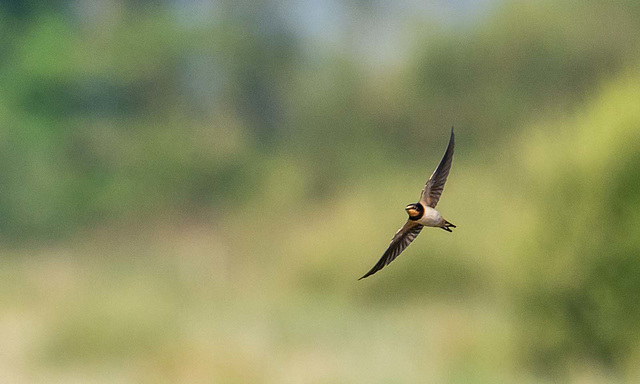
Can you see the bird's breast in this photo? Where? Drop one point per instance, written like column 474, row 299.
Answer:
column 431, row 217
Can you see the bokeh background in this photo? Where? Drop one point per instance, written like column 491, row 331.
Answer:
column 190, row 189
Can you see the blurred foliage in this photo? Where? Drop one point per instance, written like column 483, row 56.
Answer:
column 582, row 285
column 187, row 193
column 94, row 98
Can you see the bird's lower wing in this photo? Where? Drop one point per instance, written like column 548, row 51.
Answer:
column 400, row 241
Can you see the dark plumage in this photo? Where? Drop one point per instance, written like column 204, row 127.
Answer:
column 422, row 213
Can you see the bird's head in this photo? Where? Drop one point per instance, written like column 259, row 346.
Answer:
column 414, row 211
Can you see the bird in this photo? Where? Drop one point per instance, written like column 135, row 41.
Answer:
column 421, row 214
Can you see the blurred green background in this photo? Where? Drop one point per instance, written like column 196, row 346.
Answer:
column 189, row 190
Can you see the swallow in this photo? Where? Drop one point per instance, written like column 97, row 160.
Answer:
column 421, row 214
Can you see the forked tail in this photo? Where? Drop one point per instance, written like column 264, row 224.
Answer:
column 447, row 226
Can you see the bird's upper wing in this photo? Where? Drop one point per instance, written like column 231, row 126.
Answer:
column 434, row 186
column 400, row 241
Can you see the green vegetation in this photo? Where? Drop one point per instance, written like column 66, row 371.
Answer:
column 192, row 201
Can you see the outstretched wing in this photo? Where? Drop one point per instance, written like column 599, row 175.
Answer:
column 400, row 241
column 435, row 185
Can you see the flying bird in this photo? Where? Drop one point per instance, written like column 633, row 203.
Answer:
column 421, row 214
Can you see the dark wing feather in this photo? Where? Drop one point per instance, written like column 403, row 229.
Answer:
column 400, row 241
column 435, row 185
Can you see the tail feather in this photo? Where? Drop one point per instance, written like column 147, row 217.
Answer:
column 447, row 226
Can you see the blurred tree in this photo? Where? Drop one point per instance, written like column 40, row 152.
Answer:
column 584, row 274
column 131, row 109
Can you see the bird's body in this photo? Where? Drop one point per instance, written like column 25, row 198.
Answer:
column 421, row 214
column 431, row 218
